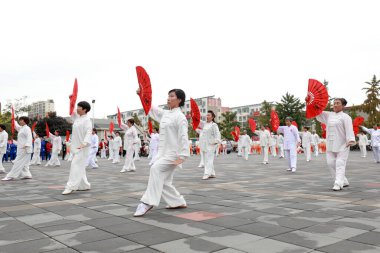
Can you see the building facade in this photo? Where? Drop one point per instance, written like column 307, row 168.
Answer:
column 41, row 108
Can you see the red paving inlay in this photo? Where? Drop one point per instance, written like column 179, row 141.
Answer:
column 56, row 187
column 373, row 184
column 199, row 216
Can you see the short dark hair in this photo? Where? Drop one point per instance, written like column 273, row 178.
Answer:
column 94, row 130
column 342, row 100
column 3, row 127
column 25, row 119
column 110, row 136
column 289, row 118
column 85, row 106
column 180, row 94
column 213, row 114
column 132, row 121
column 307, row 128
column 57, row 131
column 117, row 132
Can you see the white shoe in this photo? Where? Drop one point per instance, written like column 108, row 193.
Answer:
column 200, row 166
column 67, row 192
column 265, row 162
column 307, row 160
column 205, row 177
column 7, row 179
column 288, row 169
column 142, row 209
column 123, row 170
column 346, row 183
column 294, row 170
column 336, row 187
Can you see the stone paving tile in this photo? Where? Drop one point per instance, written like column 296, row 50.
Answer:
column 82, row 237
column 65, row 229
column 372, row 238
column 144, row 250
column 263, row 229
column 350, row 247
column 8, row 226
column 228, row 221
column 40, row 219
column 334, row 231
column 230, row 238
column 34, row 246
column 357, row 223
column 113, row 245
column 20, row 236
column 188, row 245
column 271, row 246
column 290, row 222
column 155, row 236
column 228, row 250
column 64, row 250
column 127, row 228
column 104, row 222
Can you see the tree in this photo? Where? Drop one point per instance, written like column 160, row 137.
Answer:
column 372, row 103
column 228, row 124
column 265, row 110
column 329, row 103
column 137, row 120
column 54, row 122
column 20, row 106
column 291, row 106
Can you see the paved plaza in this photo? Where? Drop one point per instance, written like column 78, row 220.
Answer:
column 249, row 207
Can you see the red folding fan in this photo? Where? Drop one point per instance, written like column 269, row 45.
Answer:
column 73, row 97
column 195, row 114
column 112, row 127
column 150, row 127
column 323, row 130
column 105, row 135
column 13, row 121
column 118, row 117
column 356, row 123
column 274, row 120
column 145, row 89
column 47, row 130
column 237, row 131
column 233, row 133
column 316, row 99
column 67, row 135
column 252, row 125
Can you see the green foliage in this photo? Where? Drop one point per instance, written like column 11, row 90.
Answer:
column 372, row 103
column 291, row 106
column 54, row 122
column 227, row 125
column 265, row 110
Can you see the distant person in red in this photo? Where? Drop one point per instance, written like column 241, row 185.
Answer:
column 49, row 147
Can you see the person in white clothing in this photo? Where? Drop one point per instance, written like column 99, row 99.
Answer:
column 103, row 149
column 291, row 142
column 137, row 148
column 94, row 146
column 153, row 145
column 80, row 148
column 3, row 146
column 307, row 140
column 111, row 147
column 245, row 144
column 36, row 159
column 211, row 137
column 363, row 142
column 273, row 143
column 315, row 142
column 339, row 137
column 130, row 140
column 172, row 152
column 201, row 140
column 56, row 141
column 264, row 136
column 20, row 167
column 375, row 141
column 240, row 150
column 280, row 145
column 224, row 147
column 117, row 144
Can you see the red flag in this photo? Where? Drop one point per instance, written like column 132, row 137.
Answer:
column 47, row 130
column 34, row 126
column 252, row 125
column 73, row 97
column 13, row 120
column 67, row 135
column 145, row 88
column 236, row 138
column 105, row 135
column 274, row 120
column 195, row 114
column 118, row 117
column 323, row 130
column 150, row 126
column 112, row 127
column 237, row 131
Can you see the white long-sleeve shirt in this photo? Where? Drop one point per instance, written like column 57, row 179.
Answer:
column 264, row 137
column 154, row 140
column 111, row 144
column 375, row 136
column 339, row 130
column 291, row 136
column 280, row 140
column 173, row 133
column 315, row 139
column 24, row 139
column 363, row 140
column 273, row 140
column 307, row 139
column 210, row 135
column 117, row 142
column 130, row 137
column 37, row 145
column 94, row 141
column 3, row 142
column 245, row 141
column 56, row 141
column 82, row 131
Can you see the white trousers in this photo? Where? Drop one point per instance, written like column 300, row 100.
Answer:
column 54, row 160
column 116, row 156
column 246, row 152
column 376, row 153
column 239, row 150
column 20, row 167
column 2, row 169
column 137, row 156
column 273, row 150
column 77, row 177
column 291, row 156
column 111, row 154
column 36, row 159
column 316, row 149
column 336, row 161
column 103, row 154
column 202, row 162
column 281, row 150
column 153, row 155
column 363, row 150
column 70, row 157
column 307, row 150
column 209, row 162
column 129, row 164
column 161, row 184
column 265, row 151
column 91, row 158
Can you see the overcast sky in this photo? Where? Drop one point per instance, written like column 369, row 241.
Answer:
column 241, row 51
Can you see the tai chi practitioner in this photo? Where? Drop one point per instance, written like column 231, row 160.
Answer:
column 153, row 145
column 211, row 137
column 94, row 145
column 339, row 137
column 137, row 148
column 20, row 167
column 36, row 159
column 103, row 149
column 264, row 136
column 200, row 145
column 172, row 151
column 307, row 140
column 240, row 150
column 80, row 148
column 315, row 142
column 273, row 143
column 3, row 146
column 130, row 140
column 375, row 141
column 291, row 142
column 117, row 144
column 363, row 142
column 111, row 144
column 56, row 141
column 69, row 156
column 224, row 146
column 245, row 144
column 280, row 145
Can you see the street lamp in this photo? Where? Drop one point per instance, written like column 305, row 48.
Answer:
column 93, row 112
